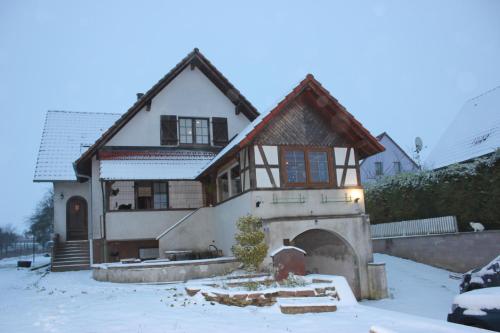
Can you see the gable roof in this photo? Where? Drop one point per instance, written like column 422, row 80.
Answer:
column 66, row 134
column 193, row 59
column 384, row 134
column 369, row 145
column 474, row 132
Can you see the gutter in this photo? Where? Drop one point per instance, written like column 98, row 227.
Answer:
column 91, row 227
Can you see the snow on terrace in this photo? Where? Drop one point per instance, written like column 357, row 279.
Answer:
column 73, row 302
column 66, row 135
column 474, row 132
column 175, row 164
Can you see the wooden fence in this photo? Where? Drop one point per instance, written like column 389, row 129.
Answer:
column 432, row 226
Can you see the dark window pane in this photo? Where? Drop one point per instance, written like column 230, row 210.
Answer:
column 397, row 167
column 186, row 130
column 160, row 198
column 295, row 166
column 201, row 131
column 235, row 180
column 223, row 186
column 144, row 196
column 379, row 169
column 318, row 165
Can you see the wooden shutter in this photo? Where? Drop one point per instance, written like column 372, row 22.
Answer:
column 219, row 127
column 168, row 131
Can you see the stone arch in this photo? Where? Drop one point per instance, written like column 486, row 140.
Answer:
column 329, row 253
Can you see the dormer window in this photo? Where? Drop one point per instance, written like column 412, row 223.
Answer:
column 194, row 131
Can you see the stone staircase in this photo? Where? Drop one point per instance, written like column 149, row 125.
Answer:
column 71, row 256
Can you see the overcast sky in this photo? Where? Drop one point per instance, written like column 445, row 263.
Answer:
column 404, row 67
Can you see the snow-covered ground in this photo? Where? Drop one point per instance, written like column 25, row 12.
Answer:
column 32, row 301
column 416, row 288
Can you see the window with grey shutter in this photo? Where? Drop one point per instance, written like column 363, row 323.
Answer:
column 219, row 129
column 168, row 131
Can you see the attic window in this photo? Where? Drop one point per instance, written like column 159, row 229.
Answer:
column 194, row 131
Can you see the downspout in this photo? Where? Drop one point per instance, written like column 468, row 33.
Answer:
column 91, row 229
column 104, row 210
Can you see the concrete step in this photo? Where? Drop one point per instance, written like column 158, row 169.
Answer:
column 71, row 267
column 66, row 258
column 69, row 261
column 83, row 252
column 72, row 248
column 71, row 256
column 298, row 305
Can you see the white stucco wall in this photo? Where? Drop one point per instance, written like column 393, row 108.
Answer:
column 68, row 190
column 196, row 232
column 97, row 203
column 136, row 225
column 190, row 94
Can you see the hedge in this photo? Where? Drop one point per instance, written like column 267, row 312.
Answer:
column 470, row 191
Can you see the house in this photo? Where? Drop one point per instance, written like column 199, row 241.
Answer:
column 475, row 132
column 192, row 155
column 394, row 160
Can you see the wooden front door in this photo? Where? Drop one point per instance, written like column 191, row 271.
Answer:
column 76, row 219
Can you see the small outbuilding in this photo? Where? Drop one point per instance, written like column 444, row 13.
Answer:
column 288, row 259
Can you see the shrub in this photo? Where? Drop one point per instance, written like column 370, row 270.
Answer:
column 470, row 191
column 250, row 248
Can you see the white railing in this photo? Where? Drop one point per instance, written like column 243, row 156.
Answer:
column 176, row 224
column 432, row 226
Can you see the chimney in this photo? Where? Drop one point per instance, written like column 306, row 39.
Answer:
column 139, row 95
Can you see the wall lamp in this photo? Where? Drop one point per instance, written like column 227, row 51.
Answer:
column 61, row 195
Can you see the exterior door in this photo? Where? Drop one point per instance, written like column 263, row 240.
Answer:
column 76, row 219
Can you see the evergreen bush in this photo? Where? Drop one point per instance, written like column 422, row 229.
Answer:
column 470, row 191
column 250, row 248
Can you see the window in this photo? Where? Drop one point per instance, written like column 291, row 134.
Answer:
column 318, row 166
column 151, row 195
column 379, row 169
column 235, row 180
column 295, row 166
column 144, row 194
column 160, row 196
column 397, row 167
column 223, row 186
column 194, row 131
column 306, row 166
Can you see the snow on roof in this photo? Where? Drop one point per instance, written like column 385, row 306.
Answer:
column 66, row 135
column 155, row 165
column 281, row 248
column 474, row 132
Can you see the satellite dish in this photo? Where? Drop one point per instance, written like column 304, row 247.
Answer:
column 418, row 144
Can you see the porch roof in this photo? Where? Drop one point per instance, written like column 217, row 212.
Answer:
column 180, row 165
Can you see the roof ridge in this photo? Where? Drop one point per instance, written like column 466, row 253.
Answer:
column 482, row 94
column 83, row 112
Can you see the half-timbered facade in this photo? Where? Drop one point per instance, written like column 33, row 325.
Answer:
column 175, row 172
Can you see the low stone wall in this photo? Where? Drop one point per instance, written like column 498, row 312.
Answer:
column 172, row 271
column 458, row 252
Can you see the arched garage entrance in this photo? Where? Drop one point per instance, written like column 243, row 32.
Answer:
column 328, row 253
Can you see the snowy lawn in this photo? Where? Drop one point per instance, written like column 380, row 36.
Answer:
column 73, row 302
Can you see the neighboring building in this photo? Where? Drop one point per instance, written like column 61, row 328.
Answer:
column 165, row 176
column 474, row 132
column 394, row 160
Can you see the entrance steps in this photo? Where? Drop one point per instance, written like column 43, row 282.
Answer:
column 71, row 256
column 298, row 305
